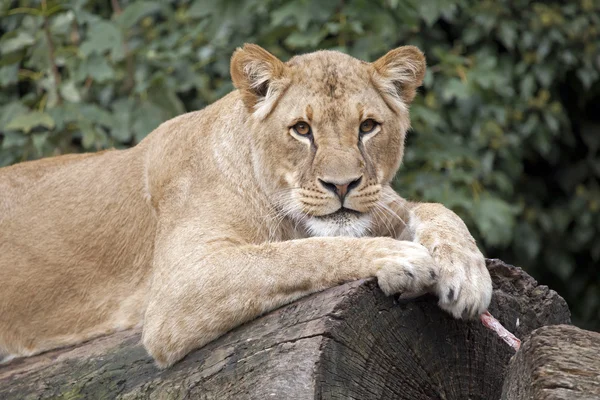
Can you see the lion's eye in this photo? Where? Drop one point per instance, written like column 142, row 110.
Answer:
column 367, row 126
column 302, row 128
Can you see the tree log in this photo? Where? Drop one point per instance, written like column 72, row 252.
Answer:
column 558, row 362
column 348, row 342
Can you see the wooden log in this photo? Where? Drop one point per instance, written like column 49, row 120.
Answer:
column 558, row 362
column 348, row 342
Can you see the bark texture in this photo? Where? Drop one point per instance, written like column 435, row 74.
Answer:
column 348, row 342
column 559, row 362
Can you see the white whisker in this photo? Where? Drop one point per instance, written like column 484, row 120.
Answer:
column 381, row 213
column 392, row 212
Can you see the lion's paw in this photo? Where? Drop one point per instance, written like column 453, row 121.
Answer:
column 464, row 287
column 404, row 267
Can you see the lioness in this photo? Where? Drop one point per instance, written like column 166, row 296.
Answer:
column 279, row 189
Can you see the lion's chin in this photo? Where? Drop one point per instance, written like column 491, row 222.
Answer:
column 340, row 223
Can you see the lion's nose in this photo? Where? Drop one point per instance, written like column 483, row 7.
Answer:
column 340, row 189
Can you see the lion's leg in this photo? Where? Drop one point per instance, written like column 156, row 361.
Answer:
column 194, row 301
column 464, row 287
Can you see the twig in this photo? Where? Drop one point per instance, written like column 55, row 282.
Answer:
column 75, row 37
column 53, row 65
column 129, row 65
column 116, row 7
column 492, row 323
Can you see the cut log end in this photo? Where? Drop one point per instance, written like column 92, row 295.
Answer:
column 346, row 342
column 558, row 362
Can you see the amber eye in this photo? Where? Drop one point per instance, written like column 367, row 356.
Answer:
column 302, row 128
column 367, row 125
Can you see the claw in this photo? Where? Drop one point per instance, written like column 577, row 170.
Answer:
column 451, row 295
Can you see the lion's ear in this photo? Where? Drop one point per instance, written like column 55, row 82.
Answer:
column 259, row 76
column 400, row 72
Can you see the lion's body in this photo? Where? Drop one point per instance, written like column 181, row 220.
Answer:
column 77, row 236
column 207, row 222
column 73, row 263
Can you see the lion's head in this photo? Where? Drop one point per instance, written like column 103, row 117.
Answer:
column 327, row 131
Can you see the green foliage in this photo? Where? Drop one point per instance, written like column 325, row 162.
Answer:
column 505, row 132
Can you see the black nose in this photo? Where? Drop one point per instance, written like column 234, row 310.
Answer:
column 341, row 189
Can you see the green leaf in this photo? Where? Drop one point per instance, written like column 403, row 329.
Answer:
column 88, row 137
column 38, row 55
column 527, row 87
column 495, row 219
column 306, row 39
column 508, row 34
column 9, row 75
column 551, row 122
column 62, row 24
column 13, row 139
column 430, row 11
column 587, row 77
column 103, row 36
column 529, row 240
column 39, row 141
column 97, row 68
column 26, row 122
column 16, row 41
column 136, row 11
column 145, row 119
column 10, row 111
column 166, row 100
column 471, row 35
column 203, row 8
column 560, row 263
column 69, row 92
column 455, row 89
column 292, row 11
column 545, row 74
column 95, row 114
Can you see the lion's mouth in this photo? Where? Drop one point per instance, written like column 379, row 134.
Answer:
column 341, row 212
column 342, row 222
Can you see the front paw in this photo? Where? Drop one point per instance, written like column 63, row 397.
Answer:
column 464, row 286
column 403, row 267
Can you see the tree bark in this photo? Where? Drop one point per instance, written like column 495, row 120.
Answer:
column 559, row 362
column 348, row 342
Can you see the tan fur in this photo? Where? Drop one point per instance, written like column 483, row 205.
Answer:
column 207, row 223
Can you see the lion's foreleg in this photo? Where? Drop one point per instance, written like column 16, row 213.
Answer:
column 196, row 298
column 464, row 286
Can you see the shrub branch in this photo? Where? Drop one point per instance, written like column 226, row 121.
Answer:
column 51, row 56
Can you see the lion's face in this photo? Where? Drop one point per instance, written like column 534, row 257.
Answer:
column 328, row 131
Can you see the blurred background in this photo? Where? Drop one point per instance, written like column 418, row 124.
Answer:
column 506, row 130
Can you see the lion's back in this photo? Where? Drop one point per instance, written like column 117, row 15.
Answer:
column 17, row 181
